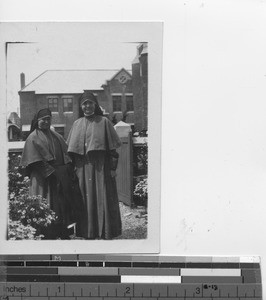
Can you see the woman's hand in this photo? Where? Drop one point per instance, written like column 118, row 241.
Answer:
column 113, row 173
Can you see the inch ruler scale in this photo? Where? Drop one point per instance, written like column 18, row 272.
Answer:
column 108, row 277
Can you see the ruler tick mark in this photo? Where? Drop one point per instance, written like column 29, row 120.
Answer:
column 36, row 288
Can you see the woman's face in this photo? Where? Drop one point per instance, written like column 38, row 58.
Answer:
column 88, row 107
column 44, row 123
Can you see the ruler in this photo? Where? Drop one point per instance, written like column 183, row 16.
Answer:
column 100, row 277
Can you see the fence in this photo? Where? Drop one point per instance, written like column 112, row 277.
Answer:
column 129, row 165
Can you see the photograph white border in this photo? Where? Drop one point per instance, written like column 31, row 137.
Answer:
column 151, row 32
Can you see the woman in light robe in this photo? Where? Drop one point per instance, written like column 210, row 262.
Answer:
column 92, row 144
column 51, row 174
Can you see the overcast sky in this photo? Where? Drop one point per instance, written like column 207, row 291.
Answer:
column 63, row 49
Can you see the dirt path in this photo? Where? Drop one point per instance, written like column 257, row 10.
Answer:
column 134, row 222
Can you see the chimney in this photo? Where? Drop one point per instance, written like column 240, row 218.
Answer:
column 22, row 80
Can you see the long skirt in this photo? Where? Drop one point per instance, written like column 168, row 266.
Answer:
column 99, row 192
column 64, row 198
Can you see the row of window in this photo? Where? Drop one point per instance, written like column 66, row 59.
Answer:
column 68, row 103
column 117, row 103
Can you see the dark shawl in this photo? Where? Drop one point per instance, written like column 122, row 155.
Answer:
column 37, row 148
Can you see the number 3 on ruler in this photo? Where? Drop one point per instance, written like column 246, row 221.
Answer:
column 198, row 290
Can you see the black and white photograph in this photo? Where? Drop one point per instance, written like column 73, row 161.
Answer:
column 177, row 92
column 80, row 144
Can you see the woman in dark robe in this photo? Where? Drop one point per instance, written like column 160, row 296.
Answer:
column 51, row 174
column 91, row 145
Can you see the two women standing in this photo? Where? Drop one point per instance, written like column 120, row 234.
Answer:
column 91, row 151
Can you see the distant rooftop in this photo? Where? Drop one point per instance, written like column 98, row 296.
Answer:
column 69, row 81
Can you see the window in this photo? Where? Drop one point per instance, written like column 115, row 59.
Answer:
column 117, row 103
column 129, row 103
column 68, row 104
column 53, row 104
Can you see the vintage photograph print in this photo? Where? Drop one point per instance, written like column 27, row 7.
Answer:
column 82, row 131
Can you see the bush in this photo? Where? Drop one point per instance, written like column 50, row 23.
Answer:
column 141, row 192
column 140, row 159
column 29, row 216
column 13, row 161
column 17, row 183
column 31, row 210
column 17, row 231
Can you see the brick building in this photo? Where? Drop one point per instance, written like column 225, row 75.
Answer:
column 122, row 94
column 140, row 87
column 60, row 90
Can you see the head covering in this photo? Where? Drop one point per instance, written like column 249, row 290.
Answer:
column 90, row 96
column 42, row 113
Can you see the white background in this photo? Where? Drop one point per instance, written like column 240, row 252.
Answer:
column 213, row 188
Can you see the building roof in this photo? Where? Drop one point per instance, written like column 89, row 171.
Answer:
column 14, row 125
column 14, row 119
column 69, row 81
